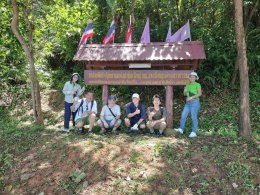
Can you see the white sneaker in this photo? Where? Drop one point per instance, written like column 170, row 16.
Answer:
column 135, row 127
column 66, row 130
column 179, row 130
column 192, row 134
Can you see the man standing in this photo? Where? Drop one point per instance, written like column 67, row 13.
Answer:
column 86, row 110
column 110, row 115
column 135, row 112
column 156, row 116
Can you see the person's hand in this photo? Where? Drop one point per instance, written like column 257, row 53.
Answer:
column 89, row 112
column 152, row 114
column 73, row 92
column 189, row 99
column 137, row 111
column 106, row 125
column 113, row 122
column 84, row 114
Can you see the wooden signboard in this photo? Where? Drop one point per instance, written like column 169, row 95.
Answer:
column 136, row 77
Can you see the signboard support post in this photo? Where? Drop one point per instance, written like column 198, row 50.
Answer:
column 104, row 94
column 169, row 106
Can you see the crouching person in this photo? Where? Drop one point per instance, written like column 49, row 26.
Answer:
column 156, row 116
column 110, row 116
column 86, row 110
column 135, row 112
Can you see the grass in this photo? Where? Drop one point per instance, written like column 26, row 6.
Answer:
column 217, row 162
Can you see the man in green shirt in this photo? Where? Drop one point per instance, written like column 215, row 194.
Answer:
column 192, row 106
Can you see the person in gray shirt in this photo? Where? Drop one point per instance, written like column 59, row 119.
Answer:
column 71, row 90
column 110, row 115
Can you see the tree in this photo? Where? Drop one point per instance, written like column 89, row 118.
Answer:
column 244, row 118
column 247, row 18
column 28, row 49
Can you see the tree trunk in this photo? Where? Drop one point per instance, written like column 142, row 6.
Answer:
column 27, row 47
column 247, row 20
column 244, row 118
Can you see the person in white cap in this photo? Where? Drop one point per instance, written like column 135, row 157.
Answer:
column 136, row 114
column 71, row 90
column 193, row 91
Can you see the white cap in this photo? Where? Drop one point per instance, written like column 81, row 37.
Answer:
column 135, row 95
column 194, row 74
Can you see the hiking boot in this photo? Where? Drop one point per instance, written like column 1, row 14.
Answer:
column 179, row 130
column 192, row 135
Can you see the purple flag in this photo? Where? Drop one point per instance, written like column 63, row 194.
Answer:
column 182, row 34
column 146, row 33
column 169, row 34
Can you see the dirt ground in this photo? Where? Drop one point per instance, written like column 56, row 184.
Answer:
column 96, row 164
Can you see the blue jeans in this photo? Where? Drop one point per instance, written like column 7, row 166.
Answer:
column 67, row 114
column 192, row 107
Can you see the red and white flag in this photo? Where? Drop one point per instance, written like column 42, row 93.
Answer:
column 110, row 34
column 129, row 32
column 88, row 32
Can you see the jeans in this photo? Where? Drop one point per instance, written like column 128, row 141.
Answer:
column 192, row 107
column 67, row 114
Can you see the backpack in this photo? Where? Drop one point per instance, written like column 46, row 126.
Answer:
column 161, row 110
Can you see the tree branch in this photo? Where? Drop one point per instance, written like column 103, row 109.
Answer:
column 14, row 26
column 251, row 15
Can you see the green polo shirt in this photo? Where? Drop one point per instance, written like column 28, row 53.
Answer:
column 192, row 89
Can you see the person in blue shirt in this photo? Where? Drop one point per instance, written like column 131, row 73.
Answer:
column 135, row 114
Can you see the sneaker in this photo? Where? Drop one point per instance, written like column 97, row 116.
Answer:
column 65, row 130
column 179, row 130
column 160, row 135
column 103, row 131
column 90, row 132
column 81, row 130
column 114, row 131
column 192, row 134
column 129, row 130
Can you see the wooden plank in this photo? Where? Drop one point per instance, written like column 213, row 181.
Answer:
column 169, row 106
column 136, row 77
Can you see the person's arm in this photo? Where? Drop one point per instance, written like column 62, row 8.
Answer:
column 76, row 104
column 66, row 90
column 94, row 108
column 128, row 112
column 80, row 90
column 185, row 91
column 102, row 116
column 118, row 114
column 197, row 95
column 150, row 114
column 143, row 115
column 163, row 119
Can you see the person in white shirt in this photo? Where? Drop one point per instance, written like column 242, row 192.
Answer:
column 85, row 112
column 110, row 115
column 71, row 90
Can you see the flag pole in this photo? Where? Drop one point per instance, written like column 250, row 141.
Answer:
column 189, row 29
column 115, row 29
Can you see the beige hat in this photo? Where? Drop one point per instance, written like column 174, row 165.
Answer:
column 194, row 74
column 135, row 95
